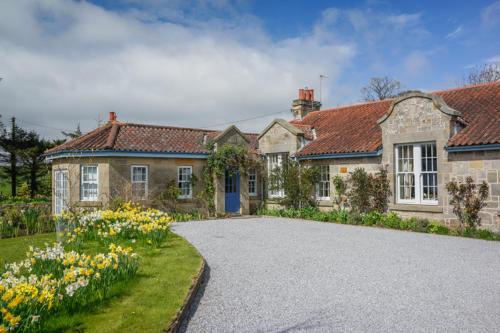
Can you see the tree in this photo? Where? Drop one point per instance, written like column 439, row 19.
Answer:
column 73, row 135
column 32, row 160
column 12, row 143
column 467, row 200
column 483, row 74
column 381, row 88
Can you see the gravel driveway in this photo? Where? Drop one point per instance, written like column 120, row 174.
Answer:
column 280, row 275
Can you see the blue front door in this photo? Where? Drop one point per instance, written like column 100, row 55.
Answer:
column 232, row 189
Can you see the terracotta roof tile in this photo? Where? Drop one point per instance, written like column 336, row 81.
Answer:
column 144, row 138
column 354, row 128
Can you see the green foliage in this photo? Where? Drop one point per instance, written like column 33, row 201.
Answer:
column 22, row 151
column 418, row 224
column 231, row 158
column 298, row 183
column 380, row 190
column 371, row 218
column 20, row 220
column 390, row 220
column 467, row 200
column 368, row 192
column 24, row 191
column 340, row 187
column 359, row 193
column 436, row 228
column 386, row 220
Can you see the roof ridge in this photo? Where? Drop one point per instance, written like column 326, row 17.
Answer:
column 170, row 127
column 390, row 99
column 180, row 128
column 469, row 86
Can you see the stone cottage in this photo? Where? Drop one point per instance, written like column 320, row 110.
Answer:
column 423, row 139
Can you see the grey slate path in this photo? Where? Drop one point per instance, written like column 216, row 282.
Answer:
column 280, row 275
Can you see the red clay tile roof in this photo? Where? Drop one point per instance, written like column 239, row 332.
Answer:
column 354, row 128
column 144, row 138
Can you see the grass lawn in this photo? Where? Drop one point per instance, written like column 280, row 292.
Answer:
column 147, row 303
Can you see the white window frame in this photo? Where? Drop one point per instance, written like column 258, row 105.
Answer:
column 179, row 181
column 323, row 182
column 146, row 182
column 61, row 193
column 96, row 182
column 417, row 174
column 270, row 167
column 252, row 178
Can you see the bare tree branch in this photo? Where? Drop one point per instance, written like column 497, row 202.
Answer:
column 381, row 88
column 485, row 73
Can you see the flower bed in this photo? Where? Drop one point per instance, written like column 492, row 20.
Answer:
column 387, row 220
column 51, row 280
column 63, row 279
column 127, row 222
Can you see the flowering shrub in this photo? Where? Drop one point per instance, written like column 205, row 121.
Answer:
column 127, row 222
column 51, row 279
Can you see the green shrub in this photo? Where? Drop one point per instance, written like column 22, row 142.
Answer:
column 438, row 228
column 298, row 183
column 359, row 194
column 371, row 218
column 486, row 234
column 380, row 190
column 418, row 224
column 387, row 220
column 390, row 220
column 340, row 215
column 340, row 186
column 467, row 200
column 355, row 218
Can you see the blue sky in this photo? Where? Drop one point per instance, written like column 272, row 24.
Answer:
column 203, row 63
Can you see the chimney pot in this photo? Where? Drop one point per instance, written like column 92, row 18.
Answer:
column 112, row 116
column 305, row 103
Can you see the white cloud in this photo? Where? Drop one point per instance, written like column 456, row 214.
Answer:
column 490, row 15
column 404, row 20
column 65, row 62
column 416, row 63
column 493, row 59
column 455, row 32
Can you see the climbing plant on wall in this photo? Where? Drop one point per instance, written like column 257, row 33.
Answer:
column 231, row 158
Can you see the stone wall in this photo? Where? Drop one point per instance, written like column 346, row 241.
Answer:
column 160, row 171
column 343, row 167
column 73, row 166
column 417, row 119
column 481, row 166
column 278, row 140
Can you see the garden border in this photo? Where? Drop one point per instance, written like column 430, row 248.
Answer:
column 183, row 312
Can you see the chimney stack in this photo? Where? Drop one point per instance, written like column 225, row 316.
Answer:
column 304, row 104
column 112, row 116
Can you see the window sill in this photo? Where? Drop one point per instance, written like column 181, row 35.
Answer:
column 89, row 203
column 416, row 208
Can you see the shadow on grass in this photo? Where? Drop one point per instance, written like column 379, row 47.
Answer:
column 196, row 302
